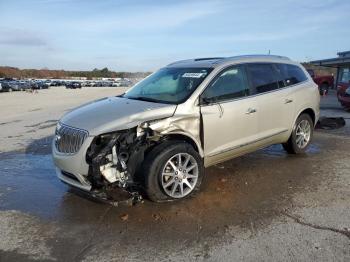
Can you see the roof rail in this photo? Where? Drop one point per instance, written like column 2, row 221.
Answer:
column 219, row 60
column 275, row 56
column 208, row 58
column 197, row 59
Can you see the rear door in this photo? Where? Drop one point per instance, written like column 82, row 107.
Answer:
column 275, row 101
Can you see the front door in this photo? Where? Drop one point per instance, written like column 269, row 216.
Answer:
column 229, row 115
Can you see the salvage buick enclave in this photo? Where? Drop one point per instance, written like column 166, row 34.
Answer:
column 158, row 136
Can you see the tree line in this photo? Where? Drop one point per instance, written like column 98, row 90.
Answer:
column 14, row 72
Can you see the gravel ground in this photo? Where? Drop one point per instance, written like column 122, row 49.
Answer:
column 265, row 206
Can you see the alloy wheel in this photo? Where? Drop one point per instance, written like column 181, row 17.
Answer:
column 180, row 175
column 303, row 134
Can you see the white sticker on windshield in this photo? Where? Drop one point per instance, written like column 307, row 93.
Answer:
column 194, row 75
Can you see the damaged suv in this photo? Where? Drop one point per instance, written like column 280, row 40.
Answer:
column 158, row 137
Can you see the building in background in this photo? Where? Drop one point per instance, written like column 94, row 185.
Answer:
column 342, row 64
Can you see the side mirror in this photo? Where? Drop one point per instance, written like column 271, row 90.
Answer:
column 204, row 100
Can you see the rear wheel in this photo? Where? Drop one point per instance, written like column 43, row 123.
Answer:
column 301, row 135
column 174, row 170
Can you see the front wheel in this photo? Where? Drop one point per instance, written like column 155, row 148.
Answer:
column 174, row 170
column 301, row 135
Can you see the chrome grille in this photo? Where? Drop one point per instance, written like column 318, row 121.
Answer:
column 68, row 139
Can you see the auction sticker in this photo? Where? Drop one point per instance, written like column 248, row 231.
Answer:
column 193, row 75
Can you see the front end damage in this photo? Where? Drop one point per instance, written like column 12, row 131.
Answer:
column 115, row 159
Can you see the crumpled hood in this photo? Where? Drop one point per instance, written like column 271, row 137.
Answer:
column 115, row 113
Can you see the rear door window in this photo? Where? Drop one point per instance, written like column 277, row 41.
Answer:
column 263, row 77
column 292, row 74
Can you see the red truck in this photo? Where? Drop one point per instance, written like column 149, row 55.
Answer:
column 324, row 82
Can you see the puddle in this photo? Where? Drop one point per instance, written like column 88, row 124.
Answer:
column 29, row 183
column 278, row 151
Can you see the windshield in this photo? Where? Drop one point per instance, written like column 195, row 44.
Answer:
column 169, row 85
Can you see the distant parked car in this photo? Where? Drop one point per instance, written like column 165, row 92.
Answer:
column 343, row 91
column 34, row 85
column 98, row 84
column 116, row 84
column 3, row 86
column 38, row 85
column 124, row 82
column 324, row 82
column 61, row 83
column 47, row 83
column 73, row 85
column 24, row 85
column 87, row 84
column 10, row 85
column 57, row 83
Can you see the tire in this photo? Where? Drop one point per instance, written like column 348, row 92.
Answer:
column 324, row 88
column 292, row 146
column 157, row 163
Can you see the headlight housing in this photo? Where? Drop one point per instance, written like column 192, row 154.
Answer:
column 58, row 127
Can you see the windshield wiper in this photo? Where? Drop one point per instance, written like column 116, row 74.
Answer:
column 147, row 99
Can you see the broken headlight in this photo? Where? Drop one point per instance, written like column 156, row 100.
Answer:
column 140, row 130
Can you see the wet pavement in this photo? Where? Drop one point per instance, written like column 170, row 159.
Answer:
column 263, row 206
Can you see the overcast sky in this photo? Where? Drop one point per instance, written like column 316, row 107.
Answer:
column 144, row 35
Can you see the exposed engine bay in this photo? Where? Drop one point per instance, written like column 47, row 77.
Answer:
column 115, row 158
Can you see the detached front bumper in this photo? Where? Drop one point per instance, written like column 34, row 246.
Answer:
column 72, row 169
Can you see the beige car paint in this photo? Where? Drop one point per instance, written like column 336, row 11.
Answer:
column 229, row 129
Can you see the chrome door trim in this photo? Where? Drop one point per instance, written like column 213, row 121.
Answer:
column 249, row 143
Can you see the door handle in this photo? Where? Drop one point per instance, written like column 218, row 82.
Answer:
column 287, row 101
column 250, row 111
